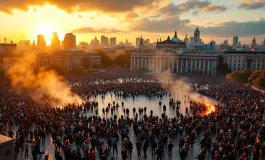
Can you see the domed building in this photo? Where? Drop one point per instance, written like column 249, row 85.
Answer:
column 175, row 38
column 172, row 44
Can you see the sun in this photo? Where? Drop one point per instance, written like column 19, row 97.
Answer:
column 46, row 30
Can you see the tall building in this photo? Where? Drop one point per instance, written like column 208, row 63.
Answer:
column 41, row 43
column 186, row 40
column 138, row 39
column 226, row 42
column 196, row 40
column 113, row 41
column 104, row 41
column 55, row 42
column 147, row 41
column 253, row 44
column 235, row 41
column 69, row 41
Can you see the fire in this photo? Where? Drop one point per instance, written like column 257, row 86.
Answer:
column 209, row 108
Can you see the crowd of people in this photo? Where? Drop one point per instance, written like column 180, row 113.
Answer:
column 77, row 132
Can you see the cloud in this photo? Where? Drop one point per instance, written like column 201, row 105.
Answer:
column 252, row 4
column 113, row 6
column 159, row 25
column 92, row 30
column 212, row 7
column 131, row 15
column 249, row 28
column 172, row 9
column 224, row 29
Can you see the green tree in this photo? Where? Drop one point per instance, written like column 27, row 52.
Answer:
column 240, row 76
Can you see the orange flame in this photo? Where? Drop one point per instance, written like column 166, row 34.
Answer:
column 210, row 108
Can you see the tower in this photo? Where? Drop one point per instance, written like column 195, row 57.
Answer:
column 141, row 47
column 186, row 40
column 235, row 41
column 69, row 41
column 253, row 44
column 197, row 33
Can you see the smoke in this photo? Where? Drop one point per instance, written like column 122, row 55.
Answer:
column 43, row 86
column 181, row 90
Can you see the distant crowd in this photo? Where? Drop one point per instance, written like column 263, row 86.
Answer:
column 235, row 131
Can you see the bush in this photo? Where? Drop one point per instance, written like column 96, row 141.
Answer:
column 240, row 76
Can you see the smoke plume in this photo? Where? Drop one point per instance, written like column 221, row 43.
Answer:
column 181, row 90
column 42, row 85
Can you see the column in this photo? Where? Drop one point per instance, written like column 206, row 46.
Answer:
column 208, row 67
column 160, row 64
column 172, row 66
column 181, row 65
column 138, row 66
column 145, row 64
column 195, row 65
column 186, row 68
column 164, row 65
column 177, row 64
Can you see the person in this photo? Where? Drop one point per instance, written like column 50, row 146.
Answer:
column 154, row 146
column 26, row 148
column 170, row 147
column 183, row 154
column 159, row 153
column 138, row 147
column 130, row 148
column 115, row 147
column 145, row 146
column 91, row 154
column 123, row 153
column 200, row 156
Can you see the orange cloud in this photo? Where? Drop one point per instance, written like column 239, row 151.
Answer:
column 110, row 6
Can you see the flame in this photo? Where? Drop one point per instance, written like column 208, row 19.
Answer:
column 209, row 108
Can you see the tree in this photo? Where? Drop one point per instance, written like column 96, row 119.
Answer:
column 258, row 78
column 259, row 82
column 240, row 76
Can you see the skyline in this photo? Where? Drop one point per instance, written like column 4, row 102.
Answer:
column 152, row 19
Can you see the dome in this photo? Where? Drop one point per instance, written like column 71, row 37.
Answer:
column 175, row 39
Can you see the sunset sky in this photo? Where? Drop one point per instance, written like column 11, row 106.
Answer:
column 217, row 19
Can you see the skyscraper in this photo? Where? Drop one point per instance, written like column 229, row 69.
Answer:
column 147, row 41
column 235, row 41
column 41, row 43
column 226, row 42
column 138, row 39
column 104, row 41
column 69, row 41
column 113, row 41
column 55, row 42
